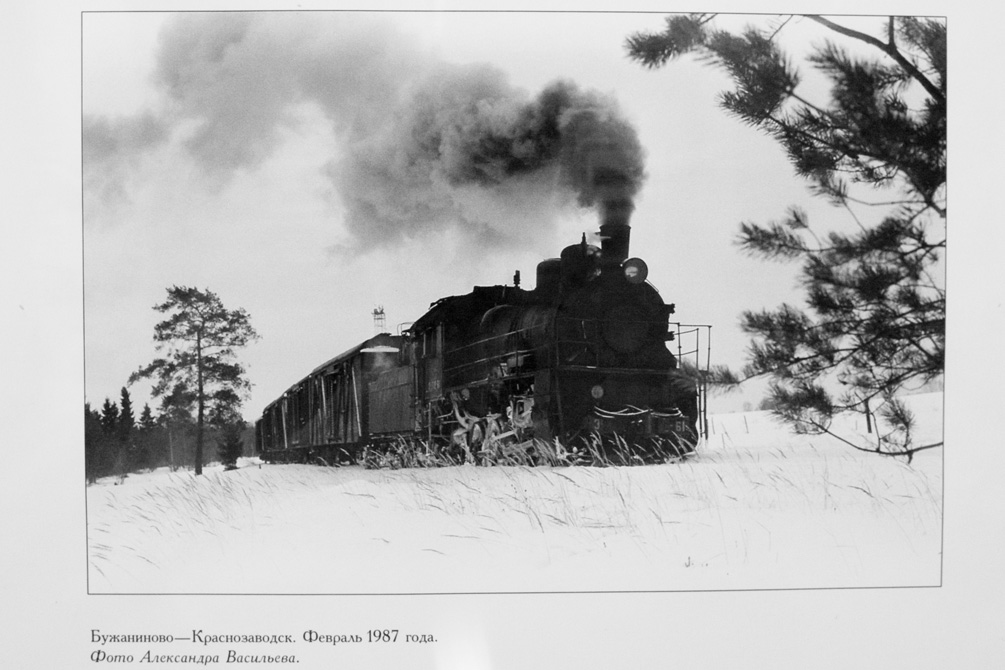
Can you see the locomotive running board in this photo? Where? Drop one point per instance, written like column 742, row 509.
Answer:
column 616, row 371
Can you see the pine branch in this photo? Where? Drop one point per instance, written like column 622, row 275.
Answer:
column 889, row 49
column 908, row 452
column 779, row 28
column 875, row 315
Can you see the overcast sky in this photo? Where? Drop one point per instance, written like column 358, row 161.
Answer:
column 277, row 159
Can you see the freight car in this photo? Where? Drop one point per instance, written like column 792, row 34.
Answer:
column 578, row 366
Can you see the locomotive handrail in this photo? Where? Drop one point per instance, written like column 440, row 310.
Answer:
column 629, row 410
column 585, row 337
column 488, row 380
column 488, row 339
column 696, row 330
column 610, row 370
column 505, row 354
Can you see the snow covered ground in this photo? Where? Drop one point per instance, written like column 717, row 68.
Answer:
column 758, row 508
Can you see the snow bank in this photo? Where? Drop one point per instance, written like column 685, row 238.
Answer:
column 758, row 508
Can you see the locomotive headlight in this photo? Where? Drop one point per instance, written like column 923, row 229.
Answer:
column 635, row 270
column 597, row 392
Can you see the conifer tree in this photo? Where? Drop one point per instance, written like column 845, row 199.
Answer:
column 109, row 417
column 147, row 420
column 874, row 317
column 199, row 339
column 126, row 420
column 124, row 432
column 93, row 444
column 146, row 437
column 230, row 446
column 108, row 447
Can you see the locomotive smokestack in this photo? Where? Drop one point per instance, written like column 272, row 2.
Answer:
column 615, row 210
column 613, row 175
column 609, row 172
column 615, row 206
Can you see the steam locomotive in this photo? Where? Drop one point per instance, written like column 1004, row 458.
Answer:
column 577, row 368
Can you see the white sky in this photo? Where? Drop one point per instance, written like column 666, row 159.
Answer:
column 262, row 236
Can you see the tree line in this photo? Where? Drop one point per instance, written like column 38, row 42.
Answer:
column 200, row 385
column 117, row 443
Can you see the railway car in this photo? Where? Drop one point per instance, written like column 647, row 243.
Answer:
column 326, row 416
column 580, row 365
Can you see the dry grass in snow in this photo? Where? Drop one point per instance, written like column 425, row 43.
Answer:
column 757, row 508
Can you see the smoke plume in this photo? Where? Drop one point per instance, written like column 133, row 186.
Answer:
column 424, row 146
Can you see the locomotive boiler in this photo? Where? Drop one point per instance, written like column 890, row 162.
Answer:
column 579, row 366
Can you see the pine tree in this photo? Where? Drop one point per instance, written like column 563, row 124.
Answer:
column 230, row 446
column 108, row 448
column 874, row 318
column 126, row 420
column 109, row 417
column 200, row 337
column 146, row 436
column 124, row 433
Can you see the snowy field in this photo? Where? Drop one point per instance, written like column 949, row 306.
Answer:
column 757, row 508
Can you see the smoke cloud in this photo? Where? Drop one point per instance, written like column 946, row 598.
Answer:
column 424, row 146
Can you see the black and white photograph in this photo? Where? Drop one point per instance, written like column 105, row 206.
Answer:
column 668, row 297
column 469, row 323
